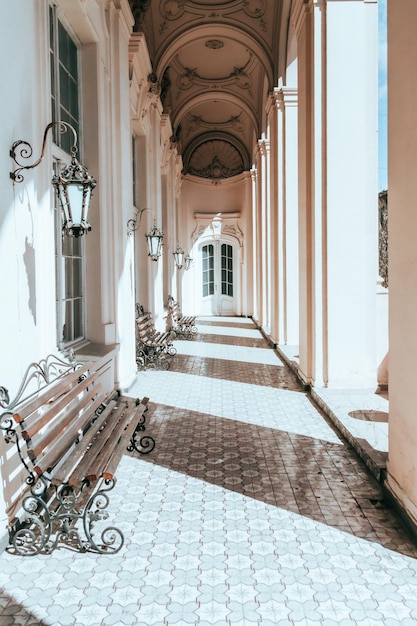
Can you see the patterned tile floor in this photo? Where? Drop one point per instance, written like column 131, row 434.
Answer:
column 250, row 511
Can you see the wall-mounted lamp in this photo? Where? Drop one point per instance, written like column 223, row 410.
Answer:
column 154, row 238
column 179, row 257
column 74, row 184
column 187, row 262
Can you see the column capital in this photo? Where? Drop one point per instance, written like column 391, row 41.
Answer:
column 263, row 146
column 281, row 98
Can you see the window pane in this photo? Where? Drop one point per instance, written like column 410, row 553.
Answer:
column 68, row 278
column 67, row 333
column 77, row 278
column 78, row 321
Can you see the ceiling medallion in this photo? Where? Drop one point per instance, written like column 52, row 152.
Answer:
column 214, row 44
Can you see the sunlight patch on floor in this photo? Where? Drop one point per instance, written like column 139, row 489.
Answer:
column 265, row 356
column 229, row 331
column 267, row 406
column 195, row 550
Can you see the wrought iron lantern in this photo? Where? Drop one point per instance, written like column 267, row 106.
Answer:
column 179, row 257
column 74, row 184
column 187, row 262
column 154, row 239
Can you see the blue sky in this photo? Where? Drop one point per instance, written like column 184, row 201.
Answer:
column 382, row 98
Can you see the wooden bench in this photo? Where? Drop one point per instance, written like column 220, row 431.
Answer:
column 152, row 346
column 70, row 437
column 183, row 325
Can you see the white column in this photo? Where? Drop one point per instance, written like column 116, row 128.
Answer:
column 263, row 228
column 402, row 250
column 338, row 191
column 156, row 267
column 255, row 245
column 290, row 214
column 282, row 112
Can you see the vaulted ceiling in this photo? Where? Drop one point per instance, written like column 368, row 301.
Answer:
column 214, row 63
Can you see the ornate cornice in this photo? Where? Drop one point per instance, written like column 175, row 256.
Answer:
column 214, row 225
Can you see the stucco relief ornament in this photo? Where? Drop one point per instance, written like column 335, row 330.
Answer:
column 196, row 121
column 154, row 86
column 254, row 8
column 172, row 9
column 241, row 77
column 214, row 44
column 236, row 122
column 186, row 80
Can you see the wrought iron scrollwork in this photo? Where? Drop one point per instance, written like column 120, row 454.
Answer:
column 43, row 529
column 23, row 150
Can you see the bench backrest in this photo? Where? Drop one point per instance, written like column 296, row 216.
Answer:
column 49, row 423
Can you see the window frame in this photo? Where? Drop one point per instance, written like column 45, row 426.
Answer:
column 60, row 157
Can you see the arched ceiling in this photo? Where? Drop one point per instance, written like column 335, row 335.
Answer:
column 214, row 62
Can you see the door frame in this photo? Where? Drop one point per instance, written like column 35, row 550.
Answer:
column 218, row 228
column 217, row 296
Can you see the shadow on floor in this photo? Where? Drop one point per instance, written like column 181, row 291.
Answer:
column 323, row 481
column 14, row 614
column 277, row 376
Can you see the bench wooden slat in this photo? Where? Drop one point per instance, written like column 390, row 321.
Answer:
column 103, row 446
column 48, row 396
column 90, row 467
column 111, row 466
column 63, row 470
column 48, row 458
column 32, row 426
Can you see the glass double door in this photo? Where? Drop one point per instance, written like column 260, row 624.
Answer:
column 218, row 278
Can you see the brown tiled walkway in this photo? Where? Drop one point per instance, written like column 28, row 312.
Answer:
column 250, row 511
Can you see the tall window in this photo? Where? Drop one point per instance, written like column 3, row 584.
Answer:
column 69, row 251
column 208, row 269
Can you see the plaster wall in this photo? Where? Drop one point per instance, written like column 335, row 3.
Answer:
column 26, row 216
column 28, row 328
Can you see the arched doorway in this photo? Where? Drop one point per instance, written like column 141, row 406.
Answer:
column 217, row 242
column 219, row 277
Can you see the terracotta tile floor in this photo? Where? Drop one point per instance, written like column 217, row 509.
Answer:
column 251, row 510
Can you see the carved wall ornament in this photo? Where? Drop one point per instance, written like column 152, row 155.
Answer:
column 198, row 122
column 154, row 86
column 214, row 225
column 216, row 169
column 187, row 77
